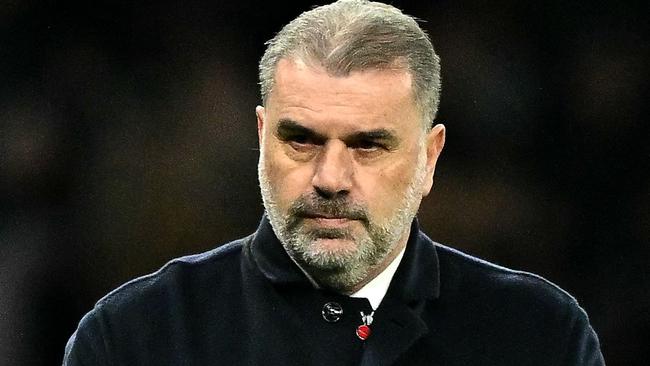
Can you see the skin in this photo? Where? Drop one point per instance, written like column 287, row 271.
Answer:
column 356, row 140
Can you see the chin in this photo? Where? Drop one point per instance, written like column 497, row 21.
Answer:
column 333, row 245
column 331, row 253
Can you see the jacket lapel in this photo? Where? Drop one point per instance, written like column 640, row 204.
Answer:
column 398, row 322
column 398, row 327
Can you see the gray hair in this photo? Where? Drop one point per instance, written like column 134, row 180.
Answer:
column 357, row 35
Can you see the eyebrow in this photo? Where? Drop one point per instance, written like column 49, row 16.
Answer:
column 287, row 127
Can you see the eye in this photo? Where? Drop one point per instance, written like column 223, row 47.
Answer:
column 368, row 149
column 299, row 141
column 368, row 145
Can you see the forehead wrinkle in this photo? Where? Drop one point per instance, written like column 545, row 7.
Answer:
column 340, row 112
column 303, row 81
column 319, row 100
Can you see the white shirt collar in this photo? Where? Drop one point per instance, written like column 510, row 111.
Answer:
column 376, row 289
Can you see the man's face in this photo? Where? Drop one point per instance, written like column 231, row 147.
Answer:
column 344, row 164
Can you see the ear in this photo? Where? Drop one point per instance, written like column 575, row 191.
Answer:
column 434, row 144
column 261, row 115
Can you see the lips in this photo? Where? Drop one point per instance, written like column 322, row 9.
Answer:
column 329, row 223
column 331, row 220
column 326, row 216
column 327, row 220
column 331, row 217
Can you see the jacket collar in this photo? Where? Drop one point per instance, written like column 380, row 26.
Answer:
column 417, row 276
column 272, row 259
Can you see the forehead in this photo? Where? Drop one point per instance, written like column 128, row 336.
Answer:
column 363, row 99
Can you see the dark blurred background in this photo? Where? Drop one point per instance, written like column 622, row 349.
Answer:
column 127, row 138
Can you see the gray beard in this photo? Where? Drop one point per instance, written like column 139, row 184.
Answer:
column 344, row 268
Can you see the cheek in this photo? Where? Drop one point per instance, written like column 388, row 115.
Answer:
column 384, row 188
column 288, row 179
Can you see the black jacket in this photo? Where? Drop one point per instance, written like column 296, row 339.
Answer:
column 247, row 303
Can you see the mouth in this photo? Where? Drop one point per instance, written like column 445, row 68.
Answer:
column 316, row 215
column 327, row 220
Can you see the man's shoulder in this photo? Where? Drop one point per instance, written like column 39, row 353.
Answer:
column 179, row 276
column 158, row 306
column 532, row 316
column 473, row 276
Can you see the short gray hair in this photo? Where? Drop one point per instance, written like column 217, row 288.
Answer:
column 356, row 35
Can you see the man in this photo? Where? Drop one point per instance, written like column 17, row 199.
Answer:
column 338, row 272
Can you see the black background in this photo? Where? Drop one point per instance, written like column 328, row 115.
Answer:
column 127, row 137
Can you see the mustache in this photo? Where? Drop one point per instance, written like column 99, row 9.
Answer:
column 313, row 205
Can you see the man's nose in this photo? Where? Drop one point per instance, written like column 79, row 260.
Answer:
column 333, row 175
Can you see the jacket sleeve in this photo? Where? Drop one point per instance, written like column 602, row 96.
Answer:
column 86, row 346
column 582, row 348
